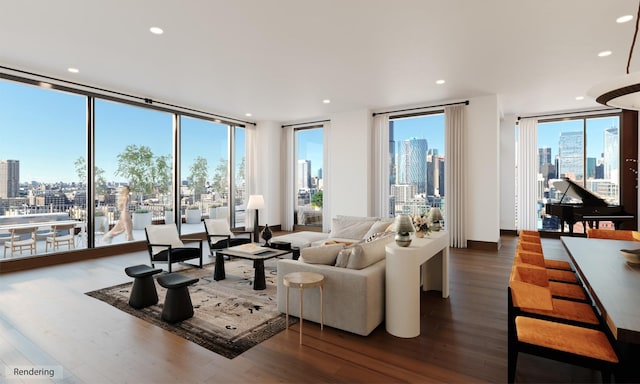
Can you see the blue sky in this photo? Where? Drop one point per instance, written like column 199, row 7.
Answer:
column 549, row 133
column 46, row 131
column 430, row 127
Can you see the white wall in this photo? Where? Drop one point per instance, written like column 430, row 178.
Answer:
column 349, row 165
column 483, row 173
column 270, row 180
column 508, row 172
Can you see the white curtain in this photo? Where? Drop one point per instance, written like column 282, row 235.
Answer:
column 455, row 175
column 381, row 165
column 251, row 171
column 326, row 197
column 527, row 174
column 288, row 196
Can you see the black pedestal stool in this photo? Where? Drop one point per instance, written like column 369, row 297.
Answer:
column 143, row 293
column 177, row 303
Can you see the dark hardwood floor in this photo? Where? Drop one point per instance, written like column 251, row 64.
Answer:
column 46, row 319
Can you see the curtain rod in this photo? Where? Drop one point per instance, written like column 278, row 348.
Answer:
column 570, row 113
column 145, row 100
column 466, row 102
column 311, row 122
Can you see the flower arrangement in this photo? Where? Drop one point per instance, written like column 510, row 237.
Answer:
column 421, row 223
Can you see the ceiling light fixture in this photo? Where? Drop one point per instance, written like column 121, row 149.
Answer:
column 247, row 114
column 579, row 98
column 621, row 92
column 73, row 70
column 604, row 54
column 326, row 101
column 624, row 19
column 440, row 82
column 156, row 30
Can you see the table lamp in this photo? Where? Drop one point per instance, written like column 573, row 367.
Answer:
column 435, row 217
column 403, row 227
column 256, row 202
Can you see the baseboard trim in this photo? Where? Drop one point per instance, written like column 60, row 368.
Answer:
column 483, row 245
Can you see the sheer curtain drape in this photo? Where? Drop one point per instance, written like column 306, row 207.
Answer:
column 527, row 174
column 326, row 198
column 251, row 169
column 288, row 195
column 455, row 175
column 381, row 163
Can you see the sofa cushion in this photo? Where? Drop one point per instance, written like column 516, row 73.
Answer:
column 378, row 227
column 349, row 228
column 326, row 254
column 367, row 253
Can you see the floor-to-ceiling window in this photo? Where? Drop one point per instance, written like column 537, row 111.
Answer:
column 417, row 161
column 240, row 185
column 59, row 143
column 586, row 150
column 204, row 188
column 308, row 176
column 133, row 148
column 42, row 151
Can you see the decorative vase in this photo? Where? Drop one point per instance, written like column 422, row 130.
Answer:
column 266, row 235
column 420, row 234
column 403, row 239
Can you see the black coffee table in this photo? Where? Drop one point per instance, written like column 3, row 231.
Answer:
column 259, row 280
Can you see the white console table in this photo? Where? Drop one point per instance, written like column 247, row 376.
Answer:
column 403, row 280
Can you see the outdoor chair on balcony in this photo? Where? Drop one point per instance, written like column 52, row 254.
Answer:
column 63, row 234
column 21, row 238
column 166, row 247
column 220, row 236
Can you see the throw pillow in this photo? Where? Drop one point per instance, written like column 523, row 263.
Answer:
column 366, row 254
column 377, row 227
column 348, row 228
column 326, row 254
column 218, row 227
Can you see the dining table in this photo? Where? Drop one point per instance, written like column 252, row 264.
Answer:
column 614, row 285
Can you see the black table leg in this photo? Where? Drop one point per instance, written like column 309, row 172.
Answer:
column 259, row 280
column 218, row 272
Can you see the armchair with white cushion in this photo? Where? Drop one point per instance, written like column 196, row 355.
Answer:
column 220, row 236
column 166, row 247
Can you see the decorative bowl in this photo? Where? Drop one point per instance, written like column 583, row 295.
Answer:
column 631, row 255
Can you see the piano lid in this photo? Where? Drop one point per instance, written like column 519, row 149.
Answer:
column 573, row 190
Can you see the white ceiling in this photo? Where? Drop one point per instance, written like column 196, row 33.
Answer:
column 278, row 59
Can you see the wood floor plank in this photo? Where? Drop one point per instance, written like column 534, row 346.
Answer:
column 463, row 338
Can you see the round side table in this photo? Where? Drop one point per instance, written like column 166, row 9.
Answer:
column 302, row 280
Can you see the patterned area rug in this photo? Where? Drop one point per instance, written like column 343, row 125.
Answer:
column 230, row 316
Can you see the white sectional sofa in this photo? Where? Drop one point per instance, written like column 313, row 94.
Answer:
column 354, row 271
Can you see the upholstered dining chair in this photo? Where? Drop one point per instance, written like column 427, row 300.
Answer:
column 220, row 236
column 63, row 234
column 166, row 247
column 552, row 338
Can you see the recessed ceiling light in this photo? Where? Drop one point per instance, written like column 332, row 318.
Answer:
column 624, row 19
column 579, row 97
column 73, row 70
column 247, row 114
column 440, row 82
column 604, row 53
column 326, row 101
column 156, row 30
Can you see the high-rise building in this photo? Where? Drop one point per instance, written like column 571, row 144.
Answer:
column 570, row 154
column 611, row 155
column 544, row 156
column 304, row 174
column 412, row 163
column 9, row 178
column 392, row 156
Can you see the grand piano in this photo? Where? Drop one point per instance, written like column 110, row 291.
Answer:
column 579, row 205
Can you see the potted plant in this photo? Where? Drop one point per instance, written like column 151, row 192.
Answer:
column 192, row 214
column 168, row 215
column 213, row 210
column 141, row 218
column 101, row 222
